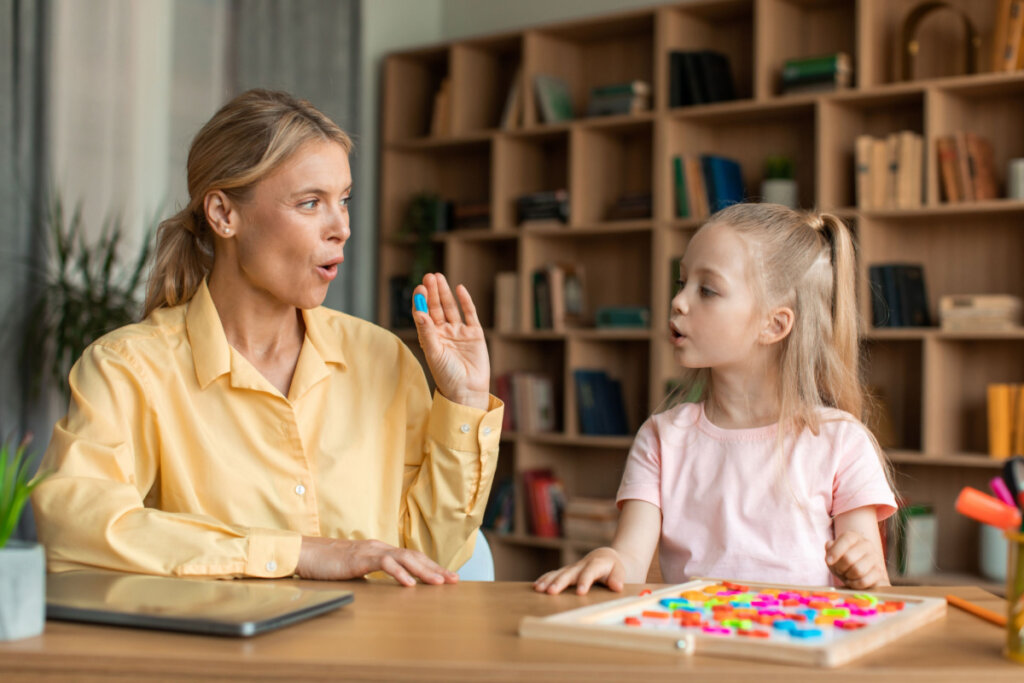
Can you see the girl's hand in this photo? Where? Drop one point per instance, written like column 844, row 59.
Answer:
column 603, row 564
column 856, row 561
column 455, row 350
column 335, row 559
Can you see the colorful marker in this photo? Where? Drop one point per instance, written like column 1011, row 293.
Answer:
column 984, row 508
column 998, row 486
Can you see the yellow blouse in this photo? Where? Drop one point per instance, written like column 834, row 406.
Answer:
column 178, row 457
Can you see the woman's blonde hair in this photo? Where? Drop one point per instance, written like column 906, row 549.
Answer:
column 250, row 137
column 805, row 261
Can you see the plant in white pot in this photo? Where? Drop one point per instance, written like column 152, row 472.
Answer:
column 22, row 564
column 779, row 185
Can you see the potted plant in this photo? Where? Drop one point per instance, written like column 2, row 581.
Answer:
column 779, row 185
column 22, row 564
column 85, row 292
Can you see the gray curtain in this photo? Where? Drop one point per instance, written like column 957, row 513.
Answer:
column 309, row 48
column 23, row 25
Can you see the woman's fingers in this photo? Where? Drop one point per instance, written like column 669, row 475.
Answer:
column 450, row 308
column 468, row 307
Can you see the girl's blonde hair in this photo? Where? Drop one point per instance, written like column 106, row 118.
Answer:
column 805, row 261
column 244, row 142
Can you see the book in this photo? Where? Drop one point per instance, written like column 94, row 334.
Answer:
column 724, row 181
column 913, row 295
column 1000, row 419
column 499, row 515
column 879, row 173
column 617, row 105
column 622, row 316
column 696, row 188
column 511, row 115
column 892, row 169
column 879, row 306
column 600, row 405
column 699, row 77
column 980, row 312
column 964, row 172
column 717, row 76
column 945, row 152
column 679, row 178
column 506, row 302
column 863, row 146
column 545, row 205
column 553, row 98
column 541, row 515
column 816, row 74
column 1012, row 39
column 981, row 159
column 630, row 206
column 631, row 88
column 541, row 300
column 999, row 36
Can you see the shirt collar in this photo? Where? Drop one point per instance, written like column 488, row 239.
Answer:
column 211, row 352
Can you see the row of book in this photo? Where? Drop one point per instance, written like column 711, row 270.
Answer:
column 599, row 403
column 980, row 312
column 545, row 502
column 890, row 170
column 705, row 183
column 1005, row 403
column 898, row 295
column 546, row 205
column 554, row 101
column 699, row 77
column 823, row 73
column 629, row 97
column 966, row 167
column 530, row 402
column 558, row 296
column 550, row 513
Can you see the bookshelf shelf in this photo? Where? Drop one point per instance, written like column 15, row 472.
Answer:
column 932, row 383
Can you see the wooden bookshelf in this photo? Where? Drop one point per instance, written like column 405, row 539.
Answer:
column 934, row 382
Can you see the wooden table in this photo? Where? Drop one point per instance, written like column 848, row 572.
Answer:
column 467, row 632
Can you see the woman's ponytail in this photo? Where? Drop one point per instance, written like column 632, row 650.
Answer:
column 184, row 256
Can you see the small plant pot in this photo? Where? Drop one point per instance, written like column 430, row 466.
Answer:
column 22, row 590
column 780, row 191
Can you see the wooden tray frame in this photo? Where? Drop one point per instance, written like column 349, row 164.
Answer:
column 580, row 626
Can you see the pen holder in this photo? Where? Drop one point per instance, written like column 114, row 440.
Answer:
column 1015, row 597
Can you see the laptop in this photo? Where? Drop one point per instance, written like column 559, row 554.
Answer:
column 194, row 605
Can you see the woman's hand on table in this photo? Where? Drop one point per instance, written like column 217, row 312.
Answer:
column 455, row 350
column 334, row 559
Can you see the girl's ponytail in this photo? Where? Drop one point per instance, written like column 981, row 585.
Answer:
column 184, row 256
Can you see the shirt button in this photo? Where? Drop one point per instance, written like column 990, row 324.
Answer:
column 464, row 429
column 271, row 566
column 487, row 430
column 300, row 489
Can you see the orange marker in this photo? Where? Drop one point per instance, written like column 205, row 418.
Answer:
column 986, row 614
column 984, row 508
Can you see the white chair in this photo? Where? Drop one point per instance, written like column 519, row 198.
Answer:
column 480, row 566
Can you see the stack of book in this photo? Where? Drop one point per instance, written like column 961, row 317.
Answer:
column 543, row 206
column 601, row 409
column 630, row 206
column 1005, row 419
column 898, row 295
column 816, row 74
column 890, row 171
column 558, row 296
column 1007, row 41
column 619, row 98
column 980, row 312
column 706, row 183
column 590, row 519
column 699, row 77
column 966, row 167
column 545, row 501
column 529, row 399
column 471, row 215
column 622, row 316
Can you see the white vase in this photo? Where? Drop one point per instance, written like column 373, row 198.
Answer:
column 22, row 590
column 780, row 191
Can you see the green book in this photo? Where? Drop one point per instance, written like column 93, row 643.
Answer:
column 682, row 205
column 799, row 69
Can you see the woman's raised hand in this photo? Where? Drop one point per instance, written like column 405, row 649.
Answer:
column 335, row 559
column 455, row 349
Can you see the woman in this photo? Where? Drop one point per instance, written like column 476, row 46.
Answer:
column 243, row 430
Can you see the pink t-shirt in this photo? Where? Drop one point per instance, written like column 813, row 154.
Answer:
column 726, row 512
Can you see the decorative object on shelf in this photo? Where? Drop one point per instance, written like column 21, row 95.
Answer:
column 980, row 312
column 992, row 553
column 1015, row 179
column 22, row 564
column 699, row 77
column 779, row 184
column 824, row 73
column 426, row 215
column 916, row 540
column 898, row 295
column 86, row 292
column 910, row 47
column 553, row 99
column 630, row 97
column 1005, row 408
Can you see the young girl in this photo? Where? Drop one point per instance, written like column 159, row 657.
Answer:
column 768, row 475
